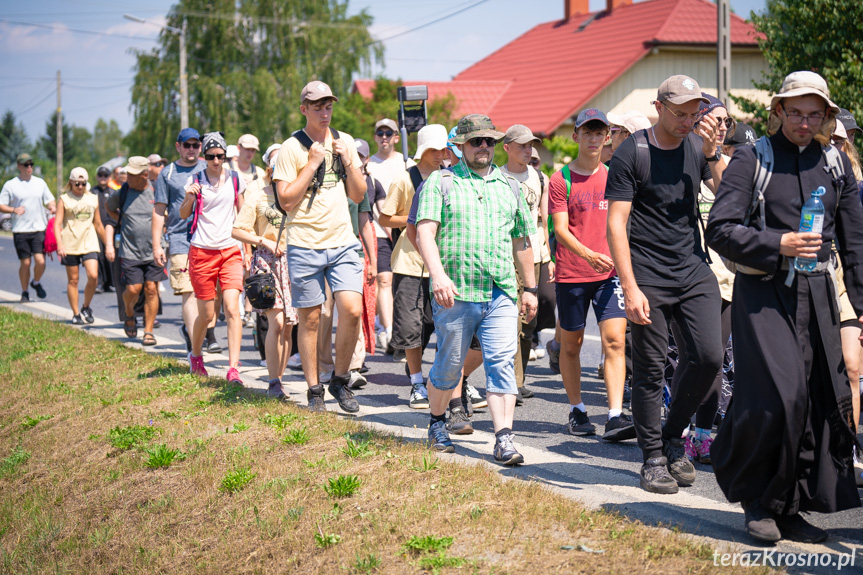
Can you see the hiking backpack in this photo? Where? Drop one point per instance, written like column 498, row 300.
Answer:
column 318, row 179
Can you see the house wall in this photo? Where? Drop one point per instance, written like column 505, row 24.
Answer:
column 636, row 88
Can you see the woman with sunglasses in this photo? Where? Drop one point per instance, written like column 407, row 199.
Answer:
column 78, row 229
column 215, row 196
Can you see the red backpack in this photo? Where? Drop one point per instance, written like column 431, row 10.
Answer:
column 49, row 246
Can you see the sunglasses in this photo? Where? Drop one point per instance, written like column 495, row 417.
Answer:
column 477, row 142
column 157, row 164
column 189, row 146
column 27, row 164
column 384, row 133
column 80, row 184
column 211, row 157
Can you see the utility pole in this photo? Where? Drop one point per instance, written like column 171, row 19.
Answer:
column 723, row 50
column 59, row 136
column 184, row 79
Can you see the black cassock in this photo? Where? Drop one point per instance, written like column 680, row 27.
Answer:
column 786, row 439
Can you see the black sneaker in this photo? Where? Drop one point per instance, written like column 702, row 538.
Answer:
column 505, row 452
column 184, row 333
column 99, row 290
column 457, row 423
column 519, row 400
column 619, row 428
column 655, row 477
column 87, row 314
column 274, row 390
column 339, row 389
column 365, row 369
column 212, row 346
column 795, row 528
column 526, row 393
column 579, row 423
column 40, row 291
column 315, row 395
column 25, row 296
column 679, row 465
column 627, row 392
column 76, row 320
column 760, row 523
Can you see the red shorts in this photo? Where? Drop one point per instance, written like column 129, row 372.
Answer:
column 206, row 267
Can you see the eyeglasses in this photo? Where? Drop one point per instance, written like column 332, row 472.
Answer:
column 477, row 142
column 27, row 164
column 157, row 164
column 194, row 145
column 384, row 133
column 681, row 116
column 80, row 184
column 211, row 157
column 796, row 117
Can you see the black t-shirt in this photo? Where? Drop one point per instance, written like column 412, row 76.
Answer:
column 664, row 238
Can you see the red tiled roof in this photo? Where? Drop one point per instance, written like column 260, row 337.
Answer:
column 544, row 76
column 470, row 95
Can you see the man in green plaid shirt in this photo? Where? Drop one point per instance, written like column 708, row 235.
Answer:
column 472, row 222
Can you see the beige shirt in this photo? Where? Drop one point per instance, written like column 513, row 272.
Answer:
column 260, row 217
column 406, row 259
column 723, row 275
column 327, row 222
column 77, row 231
column 531, row 188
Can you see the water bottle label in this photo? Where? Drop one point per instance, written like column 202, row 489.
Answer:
column 811, row 223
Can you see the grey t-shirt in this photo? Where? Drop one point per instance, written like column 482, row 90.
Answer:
column 169, row 189
column 136, row 218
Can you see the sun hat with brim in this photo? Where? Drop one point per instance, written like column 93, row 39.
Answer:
column 475, row 126
column 431, row 137
column 137, row 165
column 804, row 83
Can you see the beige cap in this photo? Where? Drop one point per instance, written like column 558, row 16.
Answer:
column 679, row 89
column 431, row 137
column 803, row 83
column 534, row 155
column 79, row 175
column 137, row 165
column 155, row 158
column 316, row 90
column 388, row 123
column 520, row 134
column 632, row 121
column 840, row 132
column 249, row 142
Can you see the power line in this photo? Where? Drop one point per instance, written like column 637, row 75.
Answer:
column 427, row 24
column 24, row 111
column 107, row 87
column 76, row 31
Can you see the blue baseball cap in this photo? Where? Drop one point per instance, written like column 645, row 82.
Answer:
column 590, row 115
column 453, row 148
column 188, row 134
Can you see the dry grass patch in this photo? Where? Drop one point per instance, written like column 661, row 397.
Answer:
column 118, row 461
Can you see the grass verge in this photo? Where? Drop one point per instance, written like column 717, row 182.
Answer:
column 113, row 460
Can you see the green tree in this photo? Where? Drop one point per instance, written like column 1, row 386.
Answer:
column 247, row 63
column 107, row 140
column 819, row 35
column 13, row 141
column 357, row 115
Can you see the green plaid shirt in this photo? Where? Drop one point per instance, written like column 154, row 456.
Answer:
column 476, row 230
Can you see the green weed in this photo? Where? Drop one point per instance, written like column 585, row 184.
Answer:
column 324, row 540
column 367, row 564
column 238, row 427
column 162, row 456
column 236, row 479
column 429, row 463
column 12, row 464
column 133, row 436
column 357, row 448
column 427, row 544
column 342, row 486
column 297, row 436
column 33, row 421
column 281, row 421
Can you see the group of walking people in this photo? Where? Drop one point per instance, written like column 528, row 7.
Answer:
column 685, row 226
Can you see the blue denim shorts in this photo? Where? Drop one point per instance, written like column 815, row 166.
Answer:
column 495, row 325
column 342, row 268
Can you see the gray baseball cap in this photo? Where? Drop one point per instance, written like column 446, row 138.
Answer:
column 590, row 115
column 679, row 89
column 520, row 134
column 848, row 121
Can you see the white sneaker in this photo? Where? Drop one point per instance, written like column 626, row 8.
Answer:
column 357, row 381
column 325, row 377
column 382, row 340
column 294, row 362
column 475, row 398
column 540, row 352
column 263, row 363
column 532, row 355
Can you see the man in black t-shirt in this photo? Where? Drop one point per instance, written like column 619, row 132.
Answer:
column 662, row 267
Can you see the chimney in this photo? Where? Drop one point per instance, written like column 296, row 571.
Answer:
column 612, row 4
column 572, row 8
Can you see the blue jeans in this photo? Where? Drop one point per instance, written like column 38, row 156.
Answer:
column 494, row 324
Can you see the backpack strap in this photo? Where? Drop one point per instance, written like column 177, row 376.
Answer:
column 763, row 173
column 836, row 170
column 567, row 177
column 171, row 170
column 236, row 180
column 642, row 159
column 416, row 177
column 691, row 154
column 541, row 180
column 124, row 193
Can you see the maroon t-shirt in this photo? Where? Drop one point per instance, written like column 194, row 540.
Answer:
column 588, row 211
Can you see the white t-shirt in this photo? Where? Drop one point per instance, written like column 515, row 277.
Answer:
column 213, row 231
column 386, row 171
column 33, row 195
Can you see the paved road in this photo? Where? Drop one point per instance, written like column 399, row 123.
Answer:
column 595, row 472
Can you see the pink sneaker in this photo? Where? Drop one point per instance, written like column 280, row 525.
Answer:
column 234, row 376
column 196, row 365
column 698, row 449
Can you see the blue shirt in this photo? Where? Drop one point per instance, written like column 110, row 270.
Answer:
column 170, row 190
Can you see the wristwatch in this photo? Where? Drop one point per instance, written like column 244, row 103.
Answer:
column 715, row 157
column 534, row 290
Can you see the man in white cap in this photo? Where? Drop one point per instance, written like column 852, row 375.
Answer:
column 157, row 162
column 412, row 316
column 785, row 447
column 623, row 125
column 132, row 207
column 317, row 170
column 655, row 243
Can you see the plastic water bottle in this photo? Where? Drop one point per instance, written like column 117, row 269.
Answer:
column 811, row 220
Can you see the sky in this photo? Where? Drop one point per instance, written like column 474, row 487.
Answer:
column 97, row 70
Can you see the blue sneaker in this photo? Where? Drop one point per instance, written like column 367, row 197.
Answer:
column 439, row 438
column 505, row 452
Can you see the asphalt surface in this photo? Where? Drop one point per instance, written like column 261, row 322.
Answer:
column 597, row 473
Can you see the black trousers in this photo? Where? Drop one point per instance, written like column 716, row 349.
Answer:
column 696, row 309
column 106, row 275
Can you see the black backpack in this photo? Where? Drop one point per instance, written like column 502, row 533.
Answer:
column 318, row 178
